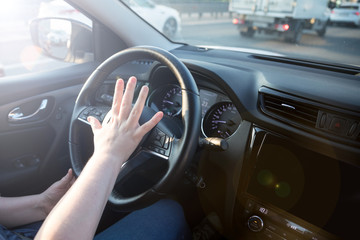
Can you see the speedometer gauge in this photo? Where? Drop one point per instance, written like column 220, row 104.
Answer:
column 221, row 120
column 171, row 103
column 166, row 98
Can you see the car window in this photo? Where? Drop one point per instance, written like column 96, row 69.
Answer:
column 18, row 54
column 307, row 29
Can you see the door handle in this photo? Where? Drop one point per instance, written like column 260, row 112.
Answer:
column 16, row 115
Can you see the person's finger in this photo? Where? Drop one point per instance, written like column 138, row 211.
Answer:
column 71, row 176
column 70, row 173
column 146, row 127
column 94, row 123
column 67, row 177
column 73, row 179
column 139, row 106
column 126, row 104
column 118, row 94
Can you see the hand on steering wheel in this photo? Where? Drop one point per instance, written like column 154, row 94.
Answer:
column 120, row 133
column 163, row 154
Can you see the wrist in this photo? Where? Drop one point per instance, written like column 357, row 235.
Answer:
column 108, row 159
column 43, row 205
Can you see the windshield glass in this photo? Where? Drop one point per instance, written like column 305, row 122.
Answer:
column 305, row 29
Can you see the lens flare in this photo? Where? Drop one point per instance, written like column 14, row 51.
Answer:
column 29, row 56
column 282, row 189
column 265, row 177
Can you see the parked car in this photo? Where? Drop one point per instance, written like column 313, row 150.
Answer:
column 346, row 13
column 57, row 37
column 260, row 139
column 165, row 19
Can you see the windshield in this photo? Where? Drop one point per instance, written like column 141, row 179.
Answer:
column 304, row 29
column 139, row 3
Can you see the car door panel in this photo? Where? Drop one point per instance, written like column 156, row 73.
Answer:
column 34, row 150
column 21, row 154
column 23, row 86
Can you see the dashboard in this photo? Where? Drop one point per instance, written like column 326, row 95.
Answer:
column 292, row 166
column 220, row 117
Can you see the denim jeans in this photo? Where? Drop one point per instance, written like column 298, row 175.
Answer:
column 20, row 233
column 164, row 220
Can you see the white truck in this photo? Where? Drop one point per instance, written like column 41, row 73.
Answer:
column 284, row 17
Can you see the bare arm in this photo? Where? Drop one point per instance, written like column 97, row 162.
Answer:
column 114, row 143
column 16, row 211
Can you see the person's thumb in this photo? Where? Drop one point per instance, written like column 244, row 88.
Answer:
column 94, row 123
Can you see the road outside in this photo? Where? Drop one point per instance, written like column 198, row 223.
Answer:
column 340, row 44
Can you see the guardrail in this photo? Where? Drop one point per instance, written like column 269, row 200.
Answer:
column 200, row 8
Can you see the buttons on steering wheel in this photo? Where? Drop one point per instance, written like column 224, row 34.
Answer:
column 159, row 142
column 97, row 112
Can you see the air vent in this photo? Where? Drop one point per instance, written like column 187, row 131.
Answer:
column 289, row 110
column 334, row 123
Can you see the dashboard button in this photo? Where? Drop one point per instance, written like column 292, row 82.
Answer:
column 352, row 129
column 271, row 235
column 255, row 223
column 166, row 142
column 323, row 120
column 278, row 230
column 338, row 125
column 250, row 204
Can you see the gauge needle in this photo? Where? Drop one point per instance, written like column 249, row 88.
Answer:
column 219, row 121
column 168, row 102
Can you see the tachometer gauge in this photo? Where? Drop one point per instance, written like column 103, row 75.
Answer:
column 221, row 120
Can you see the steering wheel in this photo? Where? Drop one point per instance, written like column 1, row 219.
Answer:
column 168, row 142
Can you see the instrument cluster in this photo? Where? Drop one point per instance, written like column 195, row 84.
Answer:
column 220, row 118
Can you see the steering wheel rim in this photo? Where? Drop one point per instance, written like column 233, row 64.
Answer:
column 182, row 148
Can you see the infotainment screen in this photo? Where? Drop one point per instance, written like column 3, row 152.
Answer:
column 311, row 186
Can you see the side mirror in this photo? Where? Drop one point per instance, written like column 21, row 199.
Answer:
column 63, row 39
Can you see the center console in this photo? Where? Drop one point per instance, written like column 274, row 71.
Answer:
column 290, row 192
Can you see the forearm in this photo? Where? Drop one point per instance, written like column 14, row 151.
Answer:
column 17, row 211
column 85, row 200
column 114, row 142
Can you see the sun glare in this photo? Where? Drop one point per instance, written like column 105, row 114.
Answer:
column 29, row 56
column 7, row 6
